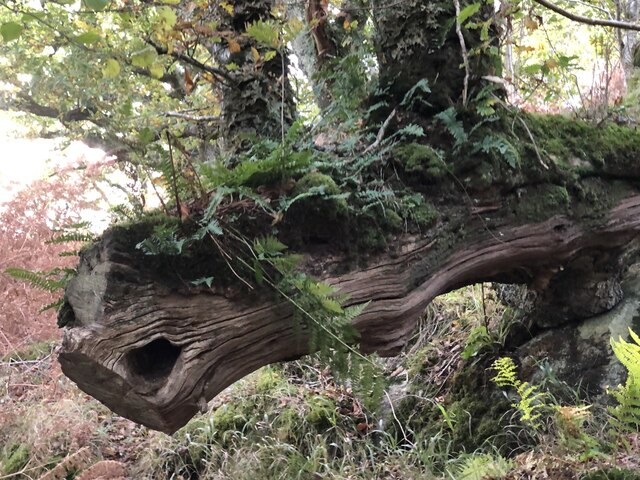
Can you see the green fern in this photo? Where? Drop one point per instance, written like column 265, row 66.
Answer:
column 494, row 144
column 454, row 126
column 52, row 281
column 46, row 281
column 66, row 237
column 626, row 415
column 482, row 467
column 531, row 401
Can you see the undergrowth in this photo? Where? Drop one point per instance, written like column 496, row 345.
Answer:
column 297, row 421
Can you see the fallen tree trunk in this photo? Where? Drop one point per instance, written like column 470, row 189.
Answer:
column 156, row 352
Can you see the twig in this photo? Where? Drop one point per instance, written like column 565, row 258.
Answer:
column 526, row 127
column 533, row 142
column 465, row 57
column 282, row 99
column 393, row 412
column 155, row 189
column 192, row 118
column 174, row 179
column 216, row 72
column 587, row 20
column 224, row 257
column 187, row 157
column 484, row 308
column 381, row 132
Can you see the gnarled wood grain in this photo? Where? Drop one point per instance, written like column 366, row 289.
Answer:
column 156, row 354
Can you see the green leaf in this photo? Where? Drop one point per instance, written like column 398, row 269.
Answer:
column 144, row 58
column 88, row 38
column 96, row 5
column 167, row 17
column 258, row 271
column 145, row 136
column 468, row 11
column 111, row 68
column 203, row 281
column 10, row 31
column 331, row 306
column 214, row 227
column 156, row 70
column 269, row 55
column 32, row 17
column 320, row 289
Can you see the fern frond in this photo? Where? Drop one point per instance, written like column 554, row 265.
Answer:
column 506, row 373
column 53, row 305
column 626, row 415
column 39, row 280
column 454, row 126
column 67, row 237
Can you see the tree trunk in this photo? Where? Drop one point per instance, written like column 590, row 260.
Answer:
column 417, row 40
column 154, row 348
column 258, row 102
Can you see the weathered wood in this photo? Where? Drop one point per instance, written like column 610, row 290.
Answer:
column 156, row 353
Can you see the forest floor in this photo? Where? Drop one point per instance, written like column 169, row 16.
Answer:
column 294, row 420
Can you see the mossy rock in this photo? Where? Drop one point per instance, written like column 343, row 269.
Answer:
column 584, row 147
column 474, row 412
column 321, row 190
column 422, row 160
column 539, row 202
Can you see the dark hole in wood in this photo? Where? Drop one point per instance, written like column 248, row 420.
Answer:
column 155, row 360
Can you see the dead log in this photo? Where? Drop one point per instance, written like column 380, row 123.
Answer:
column 156, row 351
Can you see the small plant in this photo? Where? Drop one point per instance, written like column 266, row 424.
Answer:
column 626, row 415
column 531, row 401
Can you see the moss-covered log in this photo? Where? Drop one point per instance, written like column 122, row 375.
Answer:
column 154, row 348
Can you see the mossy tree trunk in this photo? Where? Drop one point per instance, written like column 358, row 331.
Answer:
column 258, row 102
column 417, row 40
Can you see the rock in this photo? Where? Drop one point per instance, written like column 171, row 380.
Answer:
column 580, row 354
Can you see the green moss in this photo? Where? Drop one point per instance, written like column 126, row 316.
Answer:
column 321, row 186
column 585, row 147
column 269, row 379
column 541, row 201
column 322, row 411
column 473, row 413
column 392, row 220
column 421, row 159
column 16, row 457
column 370, row 237
column 424, row 215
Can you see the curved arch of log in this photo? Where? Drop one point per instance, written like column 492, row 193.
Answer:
column 156, row 355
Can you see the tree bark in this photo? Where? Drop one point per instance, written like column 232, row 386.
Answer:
column 258, row 100
column 417, row 40
column 155, row 350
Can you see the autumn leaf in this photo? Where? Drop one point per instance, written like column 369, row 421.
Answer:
column 234, row 46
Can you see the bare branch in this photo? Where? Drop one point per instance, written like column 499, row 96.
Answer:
column 219, row 73
column 193, row 118
column 587, row 20
column 24, row 102
column 463, row 49
column 381, row 132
